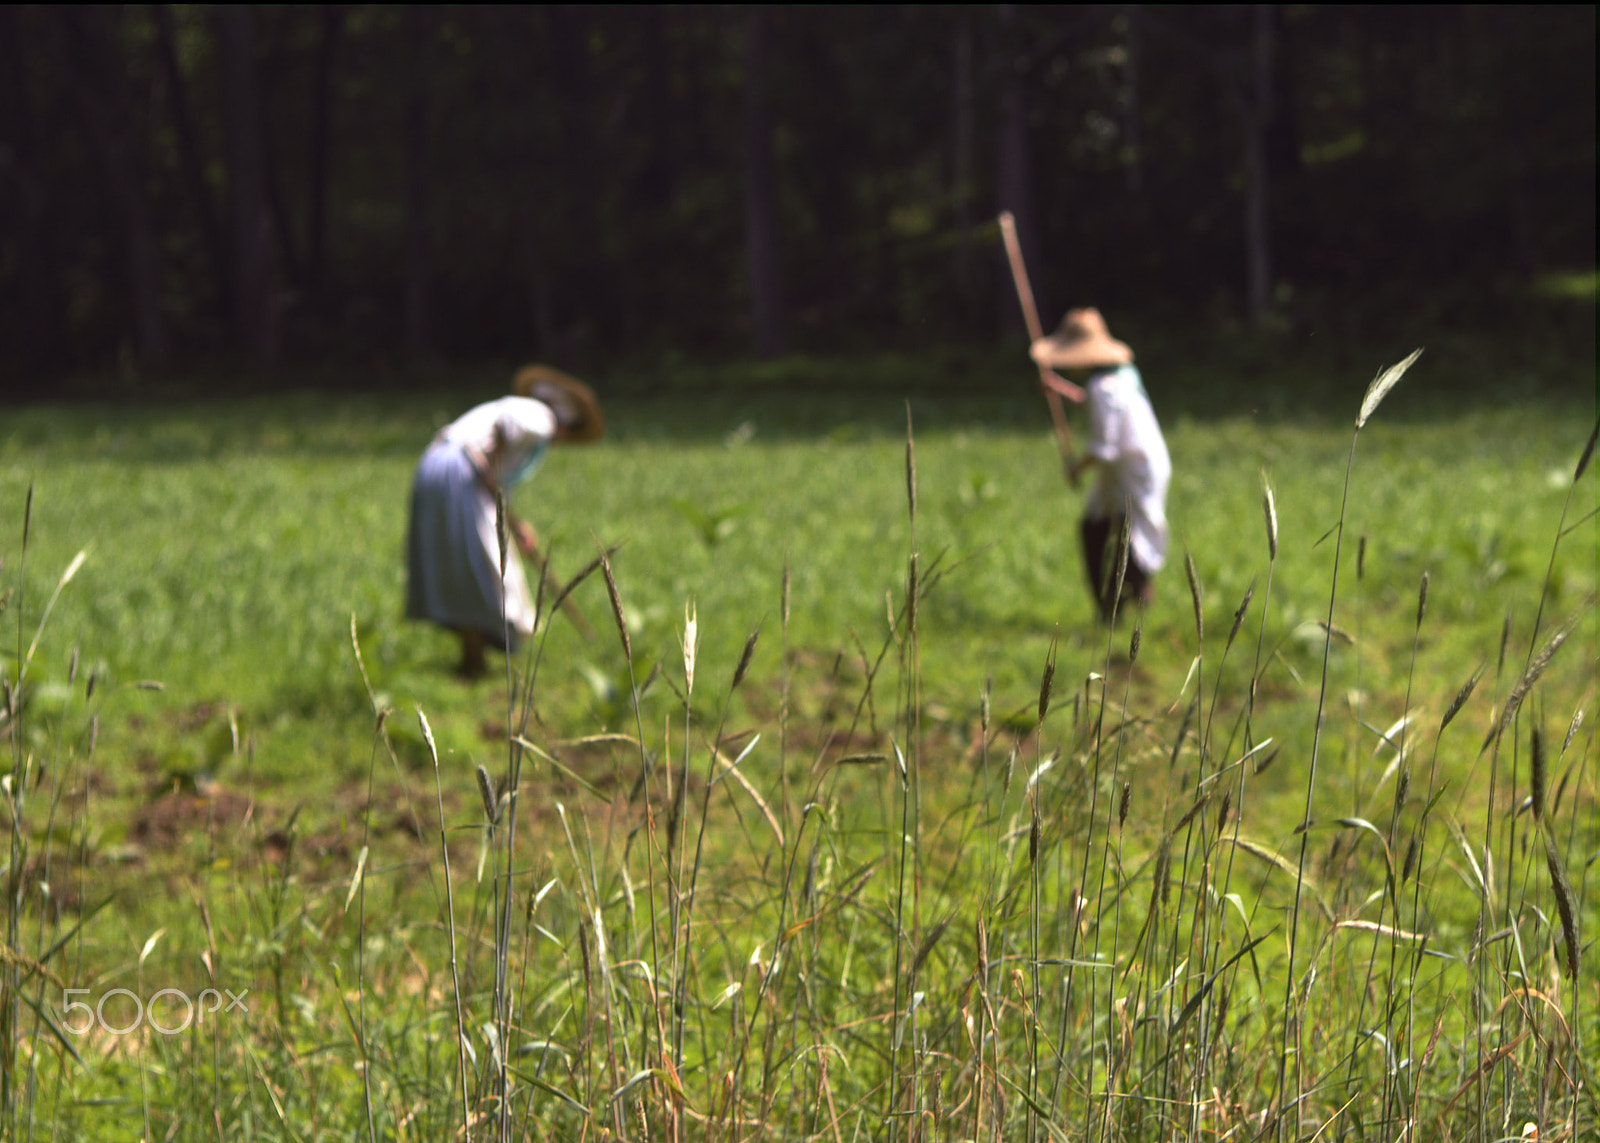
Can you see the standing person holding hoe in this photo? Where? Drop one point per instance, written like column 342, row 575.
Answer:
column 1125, row 444
column 455, row 573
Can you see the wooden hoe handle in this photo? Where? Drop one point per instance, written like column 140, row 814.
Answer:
column 1030, row 315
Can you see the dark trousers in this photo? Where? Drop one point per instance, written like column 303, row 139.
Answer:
column 1101, row 541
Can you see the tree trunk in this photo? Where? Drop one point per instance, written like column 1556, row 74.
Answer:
column 193, row 167
column 961, row 136
column 277, row 25
column 1257, row 118
column 102, row 97
column 1013, row 173
column 1132, row 141
column 768, row 319
column 575, row 248
column 332, row 27
column 254, row 291
column 649, row 196
column 418, row 246
column 25, row 235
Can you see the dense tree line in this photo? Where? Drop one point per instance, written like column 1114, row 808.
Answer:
column 184, row 184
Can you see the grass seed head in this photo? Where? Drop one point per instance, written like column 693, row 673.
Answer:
column 1224, row 1003
column 486, row 792
column 1046, row 681
column 1133, row 643
column 616, row 605
column 1270, row 507
column 1566, row 905
column 1381, row 384
column 500, row 528
column 1194, row 595
column 1124, row 551
column 1336, row 633
column 1572, row 730
column 1163, row 867
column 1422, row 599
column 911, row 595
column 1122, row 804
column 1539, row 775
column 427, row 735
column 1537, row 668
column 584, row 573
column 1193, row 811
column 1238, row 616
column 744, row 658
column 1460, row 700
column 691, row 639
column 1361, row 558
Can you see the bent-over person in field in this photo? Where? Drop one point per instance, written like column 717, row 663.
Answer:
column 455, row 575
column 1126, row 446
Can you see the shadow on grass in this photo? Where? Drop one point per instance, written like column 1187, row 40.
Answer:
column 1299, row 376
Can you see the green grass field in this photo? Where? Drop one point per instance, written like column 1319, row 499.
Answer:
column 1080, row 927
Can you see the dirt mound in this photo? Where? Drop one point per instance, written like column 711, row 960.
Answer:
column 167, row 821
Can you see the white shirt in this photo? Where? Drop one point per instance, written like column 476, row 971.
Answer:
column 505, row 439
column 1135, row 467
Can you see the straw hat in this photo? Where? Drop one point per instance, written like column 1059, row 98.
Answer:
column 1081, row 342
column 576, row 407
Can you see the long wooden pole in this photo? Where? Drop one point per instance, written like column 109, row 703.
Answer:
column 568, row 604
column 1030, row 314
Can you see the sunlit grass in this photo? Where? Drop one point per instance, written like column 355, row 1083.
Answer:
column 230, row 545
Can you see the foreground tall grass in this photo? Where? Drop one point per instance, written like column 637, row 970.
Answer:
column 1070, row 920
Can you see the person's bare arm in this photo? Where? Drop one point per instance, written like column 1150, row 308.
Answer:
column 1049, row 378
column 1080, row 466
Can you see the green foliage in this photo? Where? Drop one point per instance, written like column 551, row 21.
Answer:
column 916, row 901
column 480, row 181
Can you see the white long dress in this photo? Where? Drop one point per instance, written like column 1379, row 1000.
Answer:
column 454, row 558
column 1135, row 470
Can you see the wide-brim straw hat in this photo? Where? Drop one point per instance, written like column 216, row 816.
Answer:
column 576, row 407
column 1082, row 342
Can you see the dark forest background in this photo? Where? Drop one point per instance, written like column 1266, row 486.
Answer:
column 190, row 188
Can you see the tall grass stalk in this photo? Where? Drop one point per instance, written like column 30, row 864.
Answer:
column 450, row 925
column 359, row 886
column 1076, row 907
column 1291, row 1019
column 909, row 862
column 1060, row 952
column 1555, row 544
column 1389, row 902
column 26, row 874
column 643, row 784
column 1194, row 967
